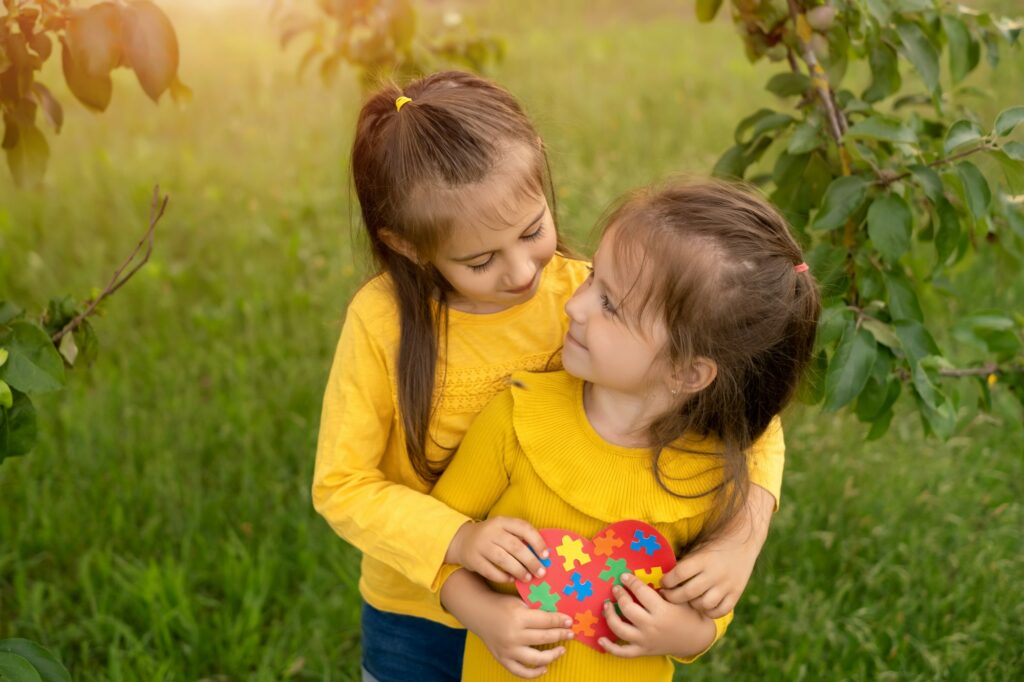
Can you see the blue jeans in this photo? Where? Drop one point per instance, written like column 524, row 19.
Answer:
column 399, row 648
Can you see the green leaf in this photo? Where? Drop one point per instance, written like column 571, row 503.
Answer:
column 916, row 341
column 85, row 339
column 788, row 84
column 885, row 73
column 882, row 332
column 806, row 137
column 850, row 367
column 921, row 52
column 903, row 304
column 1007, row 120
column 889, row 226
column 17, row 427
column 731, row 163
column 882, row 128
column 1012, row 169
column 6, row 397
column 46, row 663
column 9, row 312
column 960, row 133
column 15, row 668
column 960, row 42
column 979, row 197
column 92, row 91
column 842, row 199
column 707, row 9
column 948, row 233
column 881, row 10
column 34, row 366
column 1015, row 150
column 3, row 356
column 877, row 399
column 150, row 46
column 880, row 426
column 930, row 182
column 28, row 158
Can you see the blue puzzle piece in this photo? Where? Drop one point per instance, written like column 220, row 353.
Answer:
column 582, row 588
column 546, row 563
column 647, row 543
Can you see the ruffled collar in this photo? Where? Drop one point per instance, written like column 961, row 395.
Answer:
column 599, row 479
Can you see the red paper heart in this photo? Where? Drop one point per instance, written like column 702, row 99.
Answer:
column 580, row 573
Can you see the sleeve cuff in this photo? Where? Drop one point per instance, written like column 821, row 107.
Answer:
column 721, row 625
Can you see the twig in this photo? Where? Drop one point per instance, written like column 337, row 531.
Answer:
column 885, row 178
column 156, row 211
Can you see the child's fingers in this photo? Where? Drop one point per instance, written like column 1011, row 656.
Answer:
column 488, row 570
column 688, row 591
column 522, row 553
column 520, row 670
column 629, row 608
column 620, row 650
column 533, row 637
column 619, row 627
column 724, row 607
column 535, row 545
column 544, row 620
column 686, row 569
column 500, row 557
column 709, row 600
column 533, row 658
column 644, row 593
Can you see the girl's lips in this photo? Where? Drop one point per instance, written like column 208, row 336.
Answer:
column 569, row 338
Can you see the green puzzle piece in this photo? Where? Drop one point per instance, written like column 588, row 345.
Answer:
column 543, row 595
column 614, row 568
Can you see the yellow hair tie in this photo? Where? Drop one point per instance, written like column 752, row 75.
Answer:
column 401, row 101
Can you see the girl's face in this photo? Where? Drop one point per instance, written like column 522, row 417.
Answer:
column 498, row 249
column 603, row 346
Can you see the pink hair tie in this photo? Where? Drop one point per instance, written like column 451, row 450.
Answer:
column 803, row 267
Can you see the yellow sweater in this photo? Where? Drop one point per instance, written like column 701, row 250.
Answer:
column 363, row 483
column 533, row 454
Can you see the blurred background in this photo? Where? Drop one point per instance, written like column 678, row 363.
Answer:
column 162, row 528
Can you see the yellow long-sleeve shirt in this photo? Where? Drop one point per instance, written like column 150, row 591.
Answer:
column 532, row 454
column 363, row 483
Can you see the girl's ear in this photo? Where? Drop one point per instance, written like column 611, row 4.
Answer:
column 399, row 245
column 697, row 376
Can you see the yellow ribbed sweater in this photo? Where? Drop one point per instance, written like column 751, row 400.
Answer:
column 363, row 483
column 532, row 454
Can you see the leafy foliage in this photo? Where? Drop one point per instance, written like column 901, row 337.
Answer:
column 93, row 41
column 383, row 37
column 876, row 179
column 24, row 661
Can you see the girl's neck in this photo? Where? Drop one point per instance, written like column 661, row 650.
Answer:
column 621, row 418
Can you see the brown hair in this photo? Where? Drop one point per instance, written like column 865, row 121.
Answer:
column 717, row 265
column 408, row 168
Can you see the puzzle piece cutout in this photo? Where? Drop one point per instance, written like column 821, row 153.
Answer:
column 652, row 577
column 606, row 543
column 584, row 625
column 614, row 568
column 580, row 587
column 647, row 543
column 542, row 594
column 572, row 551
column 546, row 563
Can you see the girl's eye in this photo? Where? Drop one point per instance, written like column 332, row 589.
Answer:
column 535, row 235
column 606, row 305
column 483, row 266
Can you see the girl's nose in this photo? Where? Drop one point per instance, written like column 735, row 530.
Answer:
column 573, row 307
column 523, row 274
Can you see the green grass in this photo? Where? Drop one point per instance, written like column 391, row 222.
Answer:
column 162, row 529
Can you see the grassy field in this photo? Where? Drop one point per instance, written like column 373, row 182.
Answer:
column 162, row 529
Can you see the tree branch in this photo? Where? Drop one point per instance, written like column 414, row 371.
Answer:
column 886, row 178
column 156, row 211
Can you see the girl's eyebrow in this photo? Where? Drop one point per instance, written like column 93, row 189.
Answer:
column 536, row 219
column 603, row 284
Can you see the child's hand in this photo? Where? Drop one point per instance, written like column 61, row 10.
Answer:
column 514, row 629
column 712, row 578
column 656, row 627
column 499, row 549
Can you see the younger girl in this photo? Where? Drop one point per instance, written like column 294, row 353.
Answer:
column 687, row 339
column 454, row 190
